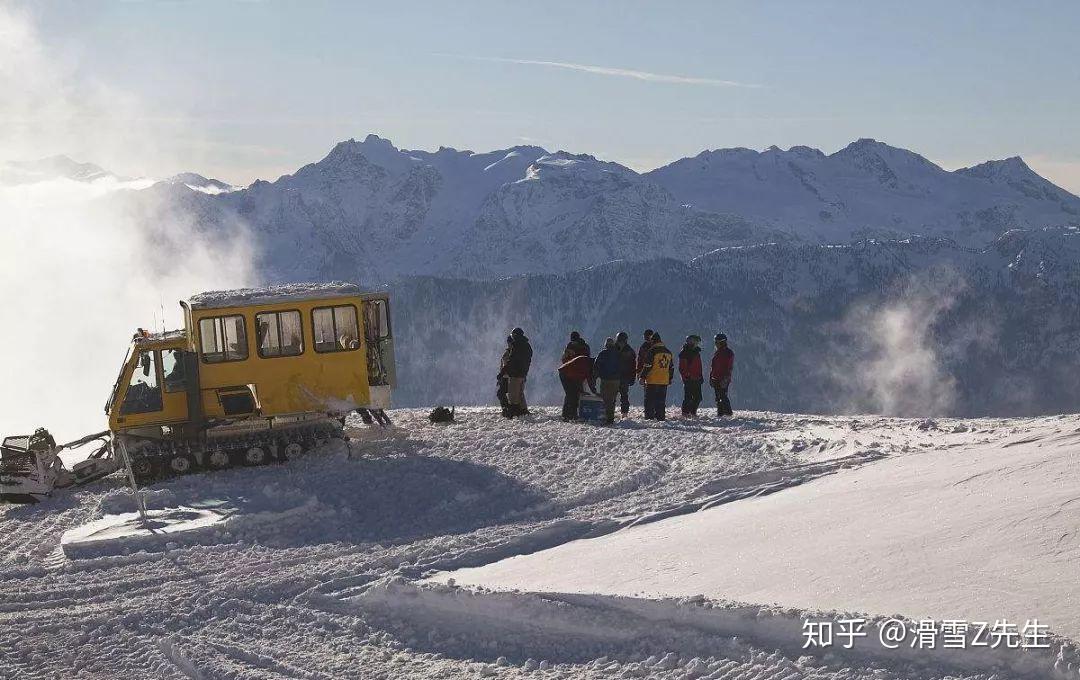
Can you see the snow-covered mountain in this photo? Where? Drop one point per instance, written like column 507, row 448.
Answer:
column 53, row 167
column 196, row 182
column 372, row 212
column 868, row 189
column 63, row 167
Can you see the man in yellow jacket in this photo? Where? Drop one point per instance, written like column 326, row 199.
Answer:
column 657, row 371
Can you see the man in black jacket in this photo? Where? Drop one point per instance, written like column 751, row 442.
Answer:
column 642, row 354
column 628, row 357
column 517, row 371
column 502, row 392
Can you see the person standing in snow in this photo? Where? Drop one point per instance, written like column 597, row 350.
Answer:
column 690, row 371
column 628, row 374
column 574, row 372
column 518, row 362
column 608, row 369
column 642, row 353
column 723, row 364
column 502, row 381
column 656, row 374
column 573, row 375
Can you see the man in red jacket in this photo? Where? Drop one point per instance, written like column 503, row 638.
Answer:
column 690, row 370
column 723, row 363
column 574, row 373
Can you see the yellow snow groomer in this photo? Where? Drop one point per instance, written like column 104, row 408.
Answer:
column 257, row 374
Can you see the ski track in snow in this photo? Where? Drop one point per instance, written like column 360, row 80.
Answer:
column 312, row 572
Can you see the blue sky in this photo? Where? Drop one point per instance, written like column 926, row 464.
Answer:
column 254, row 89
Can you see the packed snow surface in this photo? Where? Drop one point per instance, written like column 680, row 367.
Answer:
column 127, row 530
column 970, row 530
column 316, row 568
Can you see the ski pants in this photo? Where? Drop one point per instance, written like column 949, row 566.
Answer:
column 609, row 391
column 515, row 394
column 571, row 397
column 624, row 395
column 655, row 402
column 691, row 397
column 502, row 394
column 723, row 404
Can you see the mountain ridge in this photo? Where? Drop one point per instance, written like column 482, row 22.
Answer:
column 373, row 212
column 390, row 212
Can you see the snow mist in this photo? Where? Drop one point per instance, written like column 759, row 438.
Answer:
column 893, row 363
column 83, row 264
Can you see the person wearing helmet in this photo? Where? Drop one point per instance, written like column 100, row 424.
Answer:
column 517, row 366
column 690, row 371
column 628, row 374
column 723, row 363
column 656, row 374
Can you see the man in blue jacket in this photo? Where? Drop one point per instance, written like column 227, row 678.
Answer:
column 608, row 368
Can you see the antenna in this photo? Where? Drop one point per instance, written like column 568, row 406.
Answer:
column 161, row 304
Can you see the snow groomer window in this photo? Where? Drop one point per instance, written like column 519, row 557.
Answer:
column 223, row 338
column 335, row 329
column 172, row 367
column 143, row 395
column 279, row 334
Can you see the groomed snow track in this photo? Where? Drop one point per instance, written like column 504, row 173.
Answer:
column 313, row 573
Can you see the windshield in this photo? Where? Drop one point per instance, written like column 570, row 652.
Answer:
column 116, row 385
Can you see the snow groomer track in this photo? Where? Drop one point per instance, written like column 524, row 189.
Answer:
column 424, row 556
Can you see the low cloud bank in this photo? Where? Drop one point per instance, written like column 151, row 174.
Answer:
column 84, row 263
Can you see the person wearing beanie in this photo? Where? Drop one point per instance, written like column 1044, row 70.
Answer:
column 656, row 374
column 518, row 362
column 642, row 354
column 574, row 374
column 576, row 347
column 608, row 369
column 628, row 373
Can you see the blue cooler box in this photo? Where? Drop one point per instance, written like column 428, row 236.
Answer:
column 591, row 408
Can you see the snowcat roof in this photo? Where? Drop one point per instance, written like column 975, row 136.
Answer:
column 245, row 297
column 148, row 337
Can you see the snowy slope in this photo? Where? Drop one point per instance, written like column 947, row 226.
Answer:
column 313, row 571
column 868, row 189
column 974, row 531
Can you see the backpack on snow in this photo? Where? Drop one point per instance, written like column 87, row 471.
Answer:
column 441, row 414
